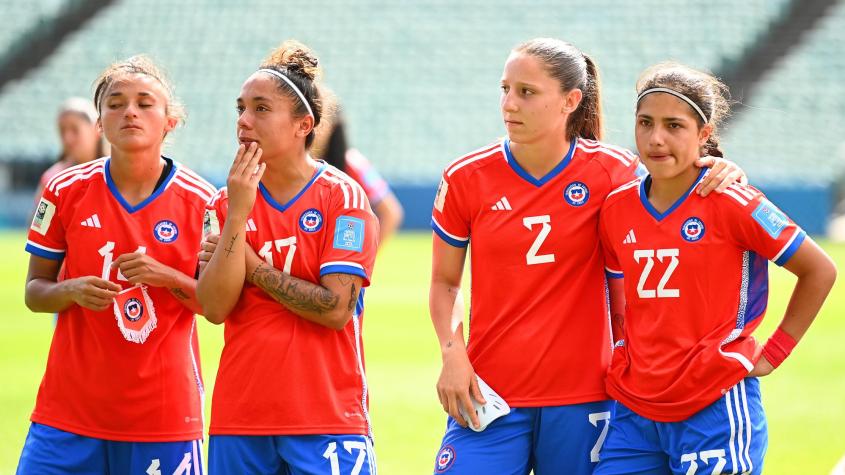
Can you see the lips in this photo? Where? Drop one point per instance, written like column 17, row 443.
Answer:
column 131, row 127
column 659, row 158
column 246, row 140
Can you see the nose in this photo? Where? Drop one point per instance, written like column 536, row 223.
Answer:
column 131, row 110
column 508, row 102
column 655, row 138
column 244, row 120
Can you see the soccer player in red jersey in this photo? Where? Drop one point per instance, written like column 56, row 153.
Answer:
column 122, row 390
column 540, row 333
column 685, row 367
column 297, row 245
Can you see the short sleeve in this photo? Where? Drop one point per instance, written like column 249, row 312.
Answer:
column 450, row 215
column 612, row 269
column 47, row 233
column 351, row 241
column 760, row 226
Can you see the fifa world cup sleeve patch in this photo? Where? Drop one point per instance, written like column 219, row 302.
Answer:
column 43, row 216
column 349, row 234
column 135, row 314
column 210, row 224
column 770, row 218
column 440, row 198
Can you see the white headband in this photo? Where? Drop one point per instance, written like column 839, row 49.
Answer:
column 292, row 86
column 676, row 94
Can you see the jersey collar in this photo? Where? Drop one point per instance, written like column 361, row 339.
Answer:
column 549, row 176
column 651, row 210
column 129, row 208
column 282, row 207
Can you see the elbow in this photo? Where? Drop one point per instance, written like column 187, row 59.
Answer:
column 339, row 320
column 214, row 316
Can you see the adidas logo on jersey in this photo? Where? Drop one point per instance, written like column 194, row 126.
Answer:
column 250, row 225
column 630, row 238
column 502, row 204
column 92, row 222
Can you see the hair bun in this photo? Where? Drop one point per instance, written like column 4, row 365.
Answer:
column 296, row 58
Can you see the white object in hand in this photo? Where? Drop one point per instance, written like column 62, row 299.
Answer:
column 495, row 407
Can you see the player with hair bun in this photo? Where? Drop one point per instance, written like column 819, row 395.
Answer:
column 685, row 367
column 122, row 390
column 296, row 247
column 540, row 330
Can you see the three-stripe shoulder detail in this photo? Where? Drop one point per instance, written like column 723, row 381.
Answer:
column 74, row 174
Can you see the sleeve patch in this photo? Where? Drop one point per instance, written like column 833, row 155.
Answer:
column 440, row 199
column 770, row 218
column 210, row 224
column 349, row 234
column 43, row 216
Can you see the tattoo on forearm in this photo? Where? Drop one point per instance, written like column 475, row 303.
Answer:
column 449, row 344
column 179, row 294
column 353, row 298
column 231, row 246
column 251, row 278
column 294, row 293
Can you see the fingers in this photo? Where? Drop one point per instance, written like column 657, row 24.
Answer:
column 714, row 178
column 476, row 391
column 469, row 409
column 205, row 256
column 731, row 178
column 454, row 412
column 246, row 160
column 106, row 285
column 236, row 163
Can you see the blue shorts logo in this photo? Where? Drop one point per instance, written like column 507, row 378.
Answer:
column 133, row 310
column 576, row 193
column 166, row 231
column 311, row 220
column 770, row 218
column 445, row 459
column 692, row 230
column 349, row 234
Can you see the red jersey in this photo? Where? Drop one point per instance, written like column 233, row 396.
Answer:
column 539, row 321
column 361, row 170
column 98, row 383
column 280, row 373
column 696, row 287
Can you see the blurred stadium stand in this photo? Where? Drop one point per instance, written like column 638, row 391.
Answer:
column 419, row 80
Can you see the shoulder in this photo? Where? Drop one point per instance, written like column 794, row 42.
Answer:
column 193, row 186
column 467, row 164
column 623, row 193
column 76, row 177
column 220, row 197
column 739, row 196
column 608, row 156
column 341, row 186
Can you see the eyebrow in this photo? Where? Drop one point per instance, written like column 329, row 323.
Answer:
column 664, row 119
column 142, row 93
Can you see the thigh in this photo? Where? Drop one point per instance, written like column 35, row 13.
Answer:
column 345, row 454
column 729, row 436
column 504, row 447
column 48, row 450
column 177, row 458
column 254, row 454
column 632, row 445
column 567, row 438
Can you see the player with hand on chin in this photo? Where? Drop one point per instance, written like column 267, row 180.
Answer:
column 296, row 248
column 685, row 367
column 122, row 390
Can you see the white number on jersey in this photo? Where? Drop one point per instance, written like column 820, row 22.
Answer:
column 705, row 456
column 266, row 251
column 594, row 420
column 531, row 257
column 108, row 258
column 661, row 291
column 349, row 445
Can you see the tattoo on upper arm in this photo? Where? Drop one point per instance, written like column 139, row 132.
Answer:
column 344, row 279
column 231, row 245
column 294, row 293
column 179, row 293
column 353, row 298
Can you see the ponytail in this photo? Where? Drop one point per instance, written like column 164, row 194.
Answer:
column 586, row 121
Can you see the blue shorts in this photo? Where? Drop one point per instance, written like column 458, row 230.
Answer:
column 48, row 450
column 548, row 440
column 291, row 454
column 728, row 436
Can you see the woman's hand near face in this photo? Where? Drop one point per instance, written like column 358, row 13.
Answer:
column 243, row 180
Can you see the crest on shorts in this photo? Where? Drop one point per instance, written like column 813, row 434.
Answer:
column 445, row 459
column 576, row 193
column 693, row 229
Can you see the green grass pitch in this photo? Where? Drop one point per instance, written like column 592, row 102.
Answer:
column 804, row 399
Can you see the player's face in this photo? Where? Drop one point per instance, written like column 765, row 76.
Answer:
column 668, row 135
column 79, row 137
column 134, row 114
column 266, row 116
column 533, row 106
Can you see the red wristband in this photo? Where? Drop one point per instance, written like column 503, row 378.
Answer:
column 778, row 347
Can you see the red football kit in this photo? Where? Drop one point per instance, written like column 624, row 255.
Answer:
column 281, row 374
column 129, row 373
column 696, row 287
column 539, row 322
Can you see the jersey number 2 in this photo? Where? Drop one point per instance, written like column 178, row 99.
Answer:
column 662, row 254
column 531, row 257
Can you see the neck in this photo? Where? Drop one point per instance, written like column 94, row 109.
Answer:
column 135, row 174
column 284, row 177
column 541, row 157
column 665, row 192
